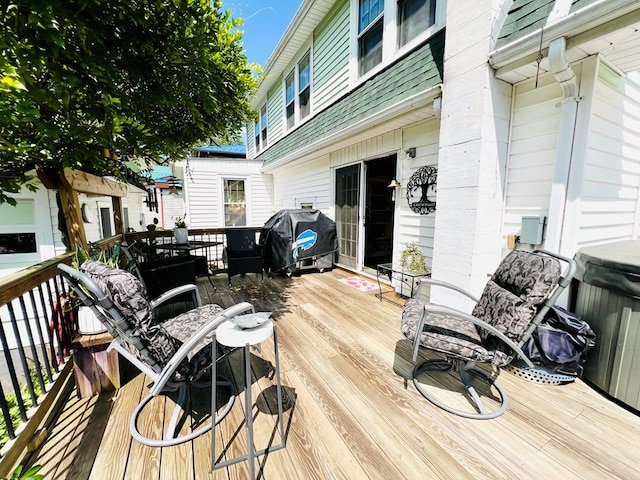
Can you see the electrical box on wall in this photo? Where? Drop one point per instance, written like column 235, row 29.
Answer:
column 532, row 230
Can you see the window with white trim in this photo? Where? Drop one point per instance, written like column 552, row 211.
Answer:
column 370, row 29
column 263, row 126
column 235, row 203
column 260, row 129
column 384, row 30
column 256, row 130
column 414, row 17
column 290, row 99
column 297, row 91
column 304, row 85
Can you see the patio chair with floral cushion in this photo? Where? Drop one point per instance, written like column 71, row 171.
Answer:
column 514, row 301
column 174, row 353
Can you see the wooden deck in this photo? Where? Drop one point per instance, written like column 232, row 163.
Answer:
column 348, row 414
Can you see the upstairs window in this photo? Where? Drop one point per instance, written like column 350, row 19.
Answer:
column 370, row 27
column 290, row 99
column 414, row 17
column 297, row 91
column 263, row 125
column 256, row 130
column 260, row 129
column 304, row 86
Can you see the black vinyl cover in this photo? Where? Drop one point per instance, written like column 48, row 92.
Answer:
column 290, row 236
column 613, row 266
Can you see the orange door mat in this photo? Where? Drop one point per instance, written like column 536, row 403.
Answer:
column 360, row 283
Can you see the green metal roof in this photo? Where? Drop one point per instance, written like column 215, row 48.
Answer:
column 417, row 72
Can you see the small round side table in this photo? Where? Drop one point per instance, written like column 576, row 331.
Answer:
column 230, row 335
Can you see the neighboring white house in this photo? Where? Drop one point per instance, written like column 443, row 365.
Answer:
column 29, row 232
column 225, row 189
column 523, row 109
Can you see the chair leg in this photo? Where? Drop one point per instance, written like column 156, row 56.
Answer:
column 465, row 373
column 178, row 414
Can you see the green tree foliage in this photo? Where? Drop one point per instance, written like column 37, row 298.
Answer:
column 101, row 85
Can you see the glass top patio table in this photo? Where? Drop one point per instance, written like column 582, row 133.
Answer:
column 185, row 247
column 406, row 276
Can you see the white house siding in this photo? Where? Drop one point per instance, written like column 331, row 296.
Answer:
column 251, row 140
column 38, row 204
column 205, row 196
column 609, row 201
column 331, row 57
column 138, row 215
column 304, row 182
column 473, row 152
column 410, row 225
column 203, row 193
column 534, row 135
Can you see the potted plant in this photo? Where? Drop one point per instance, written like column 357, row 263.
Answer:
column 412, row 257
column 180, row 231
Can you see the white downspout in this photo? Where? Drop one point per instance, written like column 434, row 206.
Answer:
column 566, row 77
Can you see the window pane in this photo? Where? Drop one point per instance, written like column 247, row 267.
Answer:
column 304, row 70
column 304, row 103
column 290, row 89
column 415, row 16
column 235, row 209
column 18, row 243
column 291, row 119
column 263, row 118
column 22, row 214
column 263, row 125
column 369, row 11
column 370, row 46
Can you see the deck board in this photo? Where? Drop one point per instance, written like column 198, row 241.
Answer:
column 347, row 412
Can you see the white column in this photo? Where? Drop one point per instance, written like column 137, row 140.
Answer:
column 473, row 150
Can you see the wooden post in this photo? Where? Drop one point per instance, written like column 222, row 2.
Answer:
column 71, row 182
column 116, row 202
column 56, row 180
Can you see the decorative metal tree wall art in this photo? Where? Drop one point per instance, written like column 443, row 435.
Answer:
column 422, row 182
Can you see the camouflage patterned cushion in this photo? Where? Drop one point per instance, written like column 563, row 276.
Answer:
column 162, row 341
column 509, row 302
column 447, row 334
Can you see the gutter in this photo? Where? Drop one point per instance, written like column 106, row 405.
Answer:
column 411, row 103
column 624, row 12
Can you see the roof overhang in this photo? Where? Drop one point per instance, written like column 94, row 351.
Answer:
column 301, row 28
column 610, row 28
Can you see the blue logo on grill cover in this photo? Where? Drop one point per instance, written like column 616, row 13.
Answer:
column 304, row 241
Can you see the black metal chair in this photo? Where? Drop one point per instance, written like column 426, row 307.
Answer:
column 174, row 353
column 243, row 254
column 513, row 303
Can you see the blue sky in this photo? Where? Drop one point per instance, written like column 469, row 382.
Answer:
column 264, row 23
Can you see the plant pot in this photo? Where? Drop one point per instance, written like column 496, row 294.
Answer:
column 181, row 235
column 88, row 323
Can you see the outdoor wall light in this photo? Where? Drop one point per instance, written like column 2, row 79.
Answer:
column 411, row 152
